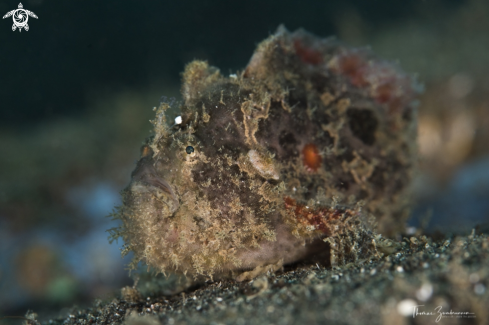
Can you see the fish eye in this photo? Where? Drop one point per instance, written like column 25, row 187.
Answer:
column 189, row 149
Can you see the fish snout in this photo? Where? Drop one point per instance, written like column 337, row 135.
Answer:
column 145, row 179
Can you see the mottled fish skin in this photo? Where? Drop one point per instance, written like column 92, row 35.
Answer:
column 289, row 160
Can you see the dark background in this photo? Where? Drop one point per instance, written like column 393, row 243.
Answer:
column 77, row 91
column 77, row 47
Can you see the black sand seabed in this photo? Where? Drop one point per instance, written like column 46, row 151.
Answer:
column 447, row 276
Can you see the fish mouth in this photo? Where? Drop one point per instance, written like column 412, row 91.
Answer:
column 145, row 174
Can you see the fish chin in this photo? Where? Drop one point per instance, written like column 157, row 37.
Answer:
column 150, row 203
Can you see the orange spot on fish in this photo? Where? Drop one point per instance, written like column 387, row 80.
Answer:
column 354, row 66
column 319, row 217
column 146, row 151
column 311, row 156
column 307, row 54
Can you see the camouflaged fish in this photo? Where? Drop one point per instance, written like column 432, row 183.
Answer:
column 283, row 161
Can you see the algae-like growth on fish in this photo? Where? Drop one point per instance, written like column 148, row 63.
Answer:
column 288, row 159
